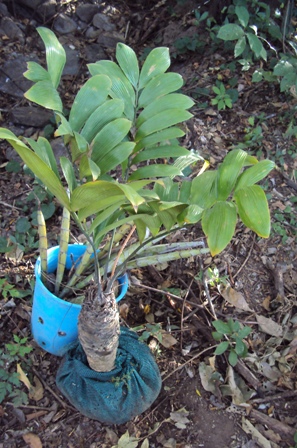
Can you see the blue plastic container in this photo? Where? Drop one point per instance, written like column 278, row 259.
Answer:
column 55, row 321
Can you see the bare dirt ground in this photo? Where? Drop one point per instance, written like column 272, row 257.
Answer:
column 203, row 402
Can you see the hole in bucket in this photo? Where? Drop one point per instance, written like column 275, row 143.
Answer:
column 61, row 333
column 43, row 343
column 40, row 320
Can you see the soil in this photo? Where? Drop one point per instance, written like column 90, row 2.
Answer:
column 190, row 411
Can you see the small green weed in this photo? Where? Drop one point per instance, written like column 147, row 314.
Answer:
column 285, row 221
column 222, row 99
column 10, row 384
column 234, row 333
column 8, row 290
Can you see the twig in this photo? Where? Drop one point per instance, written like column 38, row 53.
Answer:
column 247, row 375
column 10, row 206
column 274, row 424
column 208, row 295
column 121, row 250
column 169, row 294
column 282, row 395
column 189, row 360
column 246, row 260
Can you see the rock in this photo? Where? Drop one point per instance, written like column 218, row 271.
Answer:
column 30, row 116
column 110, row 40
column 102, row 22
column 46, row 10
column 87, row 12
column 12, row 30
column 32, row 4
column 94, row 52
column 3, row 10
column 59, row 148
column 64, row 24
column 92, row 33
column 12, row 80
column 72, row 61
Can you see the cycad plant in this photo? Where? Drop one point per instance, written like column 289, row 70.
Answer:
column 122, row 182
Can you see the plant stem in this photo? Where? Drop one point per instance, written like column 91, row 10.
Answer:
column 96, row 263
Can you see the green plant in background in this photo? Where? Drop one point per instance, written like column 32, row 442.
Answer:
column 8, row 290
column 222, row 99
column 10, row 384
column 257, row 34
column 234, row 333
column 123, row 121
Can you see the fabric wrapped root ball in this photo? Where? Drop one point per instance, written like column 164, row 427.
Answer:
column 119, row 395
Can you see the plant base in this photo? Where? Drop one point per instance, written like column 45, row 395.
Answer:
column 117, row 396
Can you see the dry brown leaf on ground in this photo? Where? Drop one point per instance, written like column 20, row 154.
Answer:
column 234, row 297
column 32, row 440
column 269, row 326
column 256, row 435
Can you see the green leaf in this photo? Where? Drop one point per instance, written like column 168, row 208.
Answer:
column 55, row 55
column 92, row 94
column 157, row 62
column 253, row 209
column 163, row 137
column 230, row 31
column 37, row 166
column 160, row 152
column 44, row 150
column 221, row 348
column 115, row 157
column 191, row 215
column 68, row 171
column 159, row 86
column 221, row 327
column 244, row 332
column 154, row 171
column 109, row 137
column 243, row 15
column 91, row 192
column 240, row 46
column 240, row 347
column 228, row 172
column 64, row 127
column 162, row 121
column 88, row 168
column 170, row 101
column 127, row 60
column 36, row 73
column 232, row 358
column 217, row 336
column 22, row 225
column 256, row 46
column 218, row 224
column 107, row 112
column 95, row 207
column 203, row 191
column 45, row 94
column 120, row 88
column 254, row 174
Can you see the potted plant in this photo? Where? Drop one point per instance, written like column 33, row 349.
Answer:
column 122, row 185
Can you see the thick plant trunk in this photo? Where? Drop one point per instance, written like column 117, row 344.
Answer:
column 99, row 329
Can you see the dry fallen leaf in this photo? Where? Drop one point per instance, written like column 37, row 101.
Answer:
column 269, row 326
column 32, row 440
column 23, row 377
column 36, row 392
column 167, row 339
column 234, row 297
column 256, row 435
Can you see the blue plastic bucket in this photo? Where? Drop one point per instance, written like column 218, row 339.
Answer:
column 54, row 321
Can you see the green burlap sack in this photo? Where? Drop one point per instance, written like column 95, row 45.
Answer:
column 119, row 395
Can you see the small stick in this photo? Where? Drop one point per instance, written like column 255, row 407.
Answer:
column 189, row 360
column 282, row 395
column 274, row 424
column 246, row 260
